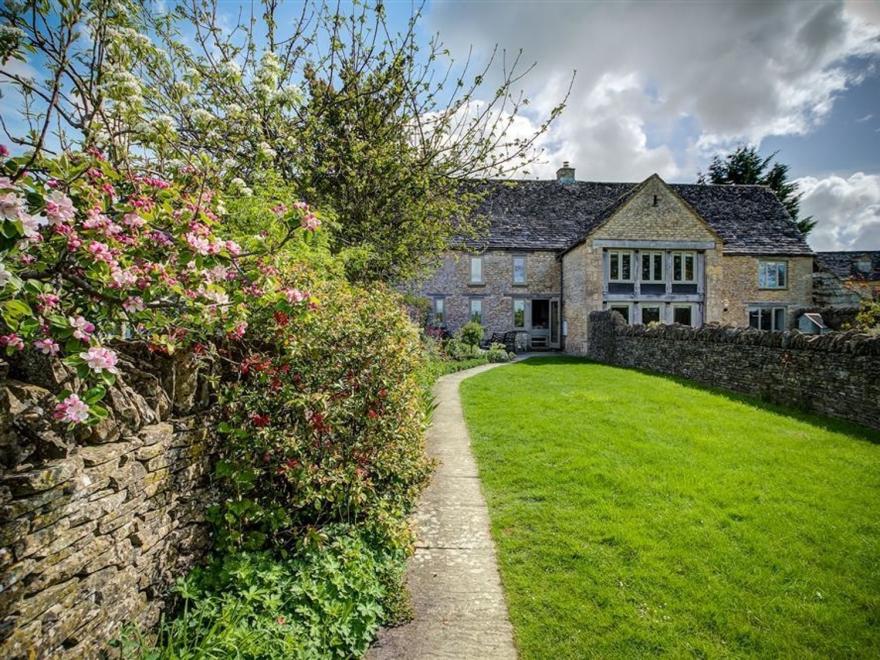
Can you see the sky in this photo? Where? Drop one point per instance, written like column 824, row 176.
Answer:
column 663, row 86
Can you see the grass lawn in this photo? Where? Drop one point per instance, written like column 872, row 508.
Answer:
column 637, row 515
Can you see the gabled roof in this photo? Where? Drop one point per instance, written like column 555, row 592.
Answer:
column 548, row 215
column 845, row 265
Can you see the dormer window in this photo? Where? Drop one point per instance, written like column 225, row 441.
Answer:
column 864, row 266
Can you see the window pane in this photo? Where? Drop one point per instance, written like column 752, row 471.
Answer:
column 682, row 315
column 477, row 310
column 676, row 268
column 781, row 275
column 646, row 267
column 476, row 269
column 438, row 310
column 689, row 268
column 779, row 318
column 754, row 318
column 766, row 319
column 625, row 266
column 519, row 313
column 650, row 315
column 614, row 266
column 623, row 310
column 519, row 270
column 658, row 267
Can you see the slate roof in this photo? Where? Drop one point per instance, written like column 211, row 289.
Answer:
column 548, row 215
column 845, row 264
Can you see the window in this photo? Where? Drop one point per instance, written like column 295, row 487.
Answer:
column 439, row 311
column 623, row 310
column 652, row 266
column 650, row 314
column 768, row 318
column 477, row 310
column 519, row 313
column 620, row 266
column 476, row 270
column 684, row 267
column 519, row 269
column 683, row 314
column 772, row 274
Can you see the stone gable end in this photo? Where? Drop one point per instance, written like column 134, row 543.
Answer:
column 671, row 219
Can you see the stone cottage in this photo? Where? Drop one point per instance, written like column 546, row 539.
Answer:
column 655, row 252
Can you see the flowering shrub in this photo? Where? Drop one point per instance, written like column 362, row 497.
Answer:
column 325, row 423
column 89, row 254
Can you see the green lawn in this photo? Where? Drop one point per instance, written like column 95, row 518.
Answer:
column 640, row 515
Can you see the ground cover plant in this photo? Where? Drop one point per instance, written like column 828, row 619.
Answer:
column 640, row 515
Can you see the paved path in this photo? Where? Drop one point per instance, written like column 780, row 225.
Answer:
column 453, row 577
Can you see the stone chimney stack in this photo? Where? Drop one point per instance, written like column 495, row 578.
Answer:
column 565, row 174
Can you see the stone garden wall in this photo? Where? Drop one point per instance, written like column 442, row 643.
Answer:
column 94, row 528
column 837, row 374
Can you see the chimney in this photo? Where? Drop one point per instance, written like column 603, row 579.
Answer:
column 565, row 174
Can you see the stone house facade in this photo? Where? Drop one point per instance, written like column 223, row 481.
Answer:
column 654, row 252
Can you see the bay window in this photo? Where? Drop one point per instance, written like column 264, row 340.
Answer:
column 652, row 266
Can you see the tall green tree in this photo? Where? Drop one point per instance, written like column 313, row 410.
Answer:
column 744, row 165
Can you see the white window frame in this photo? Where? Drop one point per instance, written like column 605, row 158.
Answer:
column 442, row 303
column 653, row 277
column 774, row 264
column 684, row 255
column 629, row 307
column 517, row 302
column 619, row 254
column 657, row 306
column 476, row 260
column 690, row 306
column 479, row 303
column 525, row 275
column 765, row 309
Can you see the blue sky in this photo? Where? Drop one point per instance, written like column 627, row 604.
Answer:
column 663, row 86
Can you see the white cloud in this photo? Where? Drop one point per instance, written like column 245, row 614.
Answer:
column 739, row 71
column 847, row 210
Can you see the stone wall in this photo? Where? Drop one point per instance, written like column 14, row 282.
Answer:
column 96, row 525
column 837, row 374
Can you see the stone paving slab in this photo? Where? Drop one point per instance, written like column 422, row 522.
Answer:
column 458, row 603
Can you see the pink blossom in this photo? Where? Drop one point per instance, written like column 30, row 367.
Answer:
column 122, row 278
column 27, row 259
column 160, row 237
column 300, row 206
column 82, row 329
column 94, row 173
column 96, row 220
column 133, row 304
column 279, row 209
column 47, row 346
column 73, row 242
column 294, row 296
column 238, row 331
column 59, row 207
column 52, row 183
column 47, row 301
column 310, row 222
column 6, row 182
column 12, row 340
column 32, row 224
column 100, row 359
column 101, row 252
column 233, row 248
column 72, row 409
column 4, row 151
column 216, row 274
column 133, row 220
column 11, row 206
column 199, row 244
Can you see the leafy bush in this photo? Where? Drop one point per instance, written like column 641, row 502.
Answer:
column 498, row 353
column 327, row 601
column 323, row 421
column 868, row 318
column 471, row 333
column 456, row 349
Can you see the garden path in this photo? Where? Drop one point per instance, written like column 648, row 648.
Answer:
column 458, row 603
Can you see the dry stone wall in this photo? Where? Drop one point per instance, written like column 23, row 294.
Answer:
column 837, row 374
column 95, row 527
